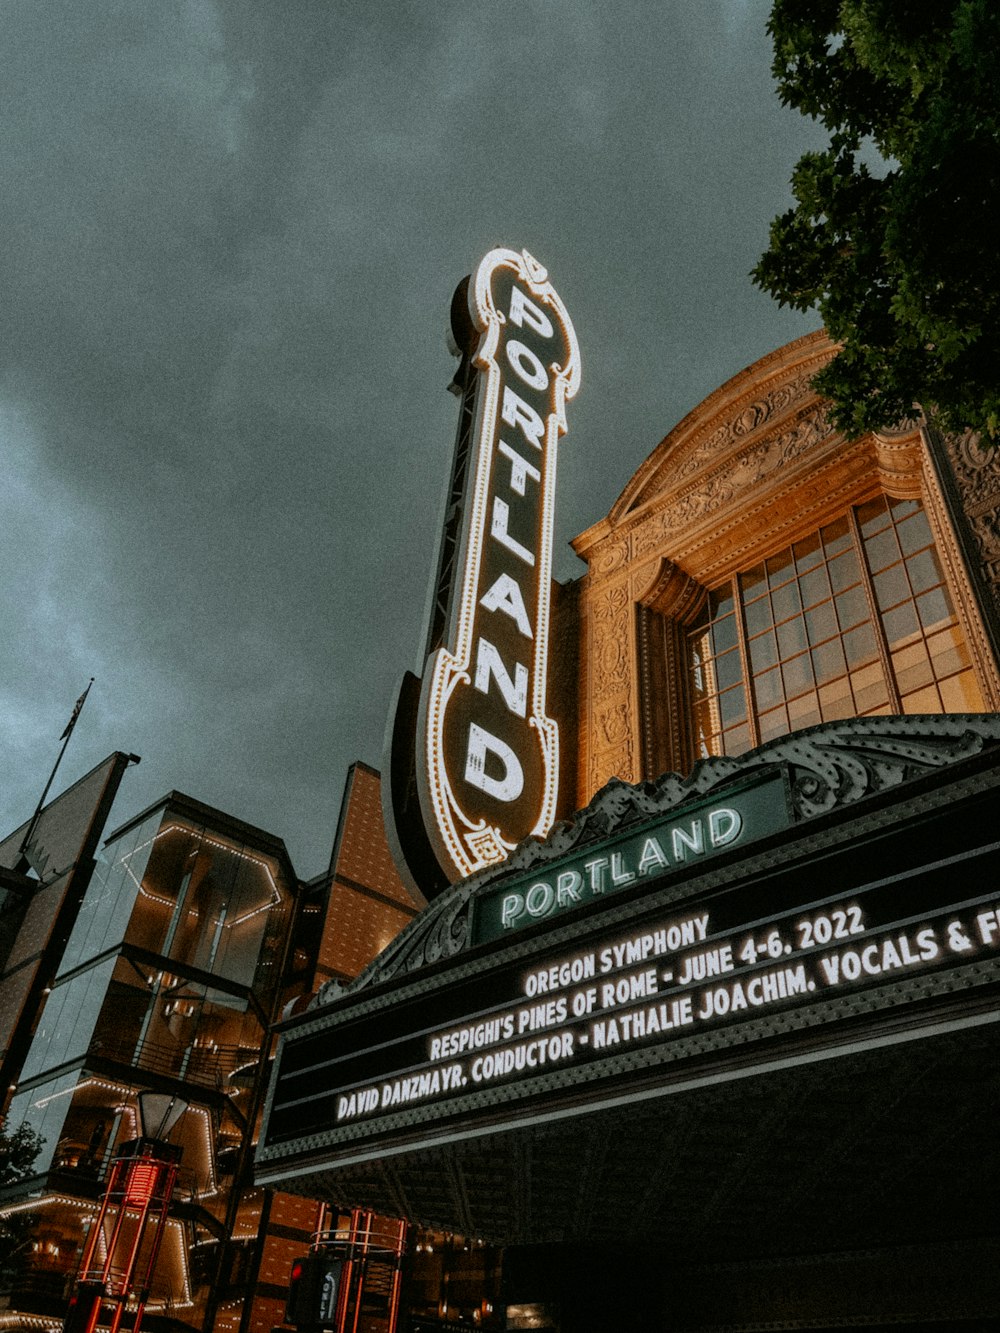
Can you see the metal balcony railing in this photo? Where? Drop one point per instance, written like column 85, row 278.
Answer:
column 210, row 1066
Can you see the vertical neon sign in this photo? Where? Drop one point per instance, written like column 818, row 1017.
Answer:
column 488, row 753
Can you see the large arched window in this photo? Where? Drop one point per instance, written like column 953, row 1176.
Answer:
column 761, row 574
column 853, row 620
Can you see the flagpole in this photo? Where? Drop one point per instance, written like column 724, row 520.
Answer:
column 77, row 709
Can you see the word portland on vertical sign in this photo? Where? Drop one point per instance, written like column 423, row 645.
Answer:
column 485, row 755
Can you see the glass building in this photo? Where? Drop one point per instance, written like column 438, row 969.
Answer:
column 168, row 981
column 184, row 940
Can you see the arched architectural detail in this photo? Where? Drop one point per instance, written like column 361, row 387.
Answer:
column 670, row 591
column 735, row 415
column 754, row 469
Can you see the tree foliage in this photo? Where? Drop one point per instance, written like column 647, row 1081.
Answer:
column 17, row 1157
column 893, row 237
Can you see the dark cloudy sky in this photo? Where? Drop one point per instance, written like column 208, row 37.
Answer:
column 230, row 235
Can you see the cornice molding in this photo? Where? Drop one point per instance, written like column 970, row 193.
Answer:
column 670, row 591
column 736, row 415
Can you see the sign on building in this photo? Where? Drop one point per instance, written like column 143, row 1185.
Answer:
column 485, row 751
column 784, row 906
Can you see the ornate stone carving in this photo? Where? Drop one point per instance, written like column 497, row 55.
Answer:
column 736, row 537
column 611, row 656
column 753, row 401
column 900, row 455
column 976, row 468
column 739, row 475
column 976, row 471
column 612, row 680
column 611, row 557
column 614, row 723
column 906, row 426
column 987, row 531
column 615, row 759
column 749, row 417
column 835, row 764
column 671, row 592
column 610, row 603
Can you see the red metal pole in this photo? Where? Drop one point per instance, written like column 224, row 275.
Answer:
column 139, row 1191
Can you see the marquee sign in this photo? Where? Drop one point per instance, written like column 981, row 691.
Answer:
column 487, row 751
column 783, row 941
column 679, row 842
column 648, row 994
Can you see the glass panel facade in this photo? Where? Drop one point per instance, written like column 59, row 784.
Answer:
column 175, row 959
column 111, row 895
column 67, row 1023
column 164, row 1022
column 187, row 893
column 44, row 1108
column 209, row 904
column 853, row 620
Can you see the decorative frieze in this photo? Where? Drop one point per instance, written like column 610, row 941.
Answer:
column 746, row 421
column 733, row 479
column 976, row 469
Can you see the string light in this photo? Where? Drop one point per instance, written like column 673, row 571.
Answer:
column 17, row 1320
column 127, row 1108
column 204, row 839
column 92, row 1082
column 46, row 1201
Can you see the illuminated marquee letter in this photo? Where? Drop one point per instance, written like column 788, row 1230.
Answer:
column 520, row 468
column 481, row 744
column 511, row 908
column 506, row 596
column 488, row 755
column 498, row 529
column 524, row 363
column 523, row 311
column 516, row 412
column 725, row 826
column 490, row 663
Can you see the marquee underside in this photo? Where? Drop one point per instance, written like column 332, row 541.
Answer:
column 889, row 1146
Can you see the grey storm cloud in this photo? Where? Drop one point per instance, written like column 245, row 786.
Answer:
column 230, row 237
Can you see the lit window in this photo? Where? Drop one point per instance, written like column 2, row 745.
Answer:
column 852, row 621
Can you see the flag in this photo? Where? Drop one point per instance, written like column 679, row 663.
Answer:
column 77, row 709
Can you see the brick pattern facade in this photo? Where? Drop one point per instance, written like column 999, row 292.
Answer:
column 368, row 903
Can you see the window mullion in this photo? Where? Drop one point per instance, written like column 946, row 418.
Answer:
column 876, row 618
column 741, row 637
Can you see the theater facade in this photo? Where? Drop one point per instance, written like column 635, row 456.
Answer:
column 719, row 1050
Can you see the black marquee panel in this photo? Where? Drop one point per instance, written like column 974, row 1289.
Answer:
column 768, row 947
column 864, row 915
